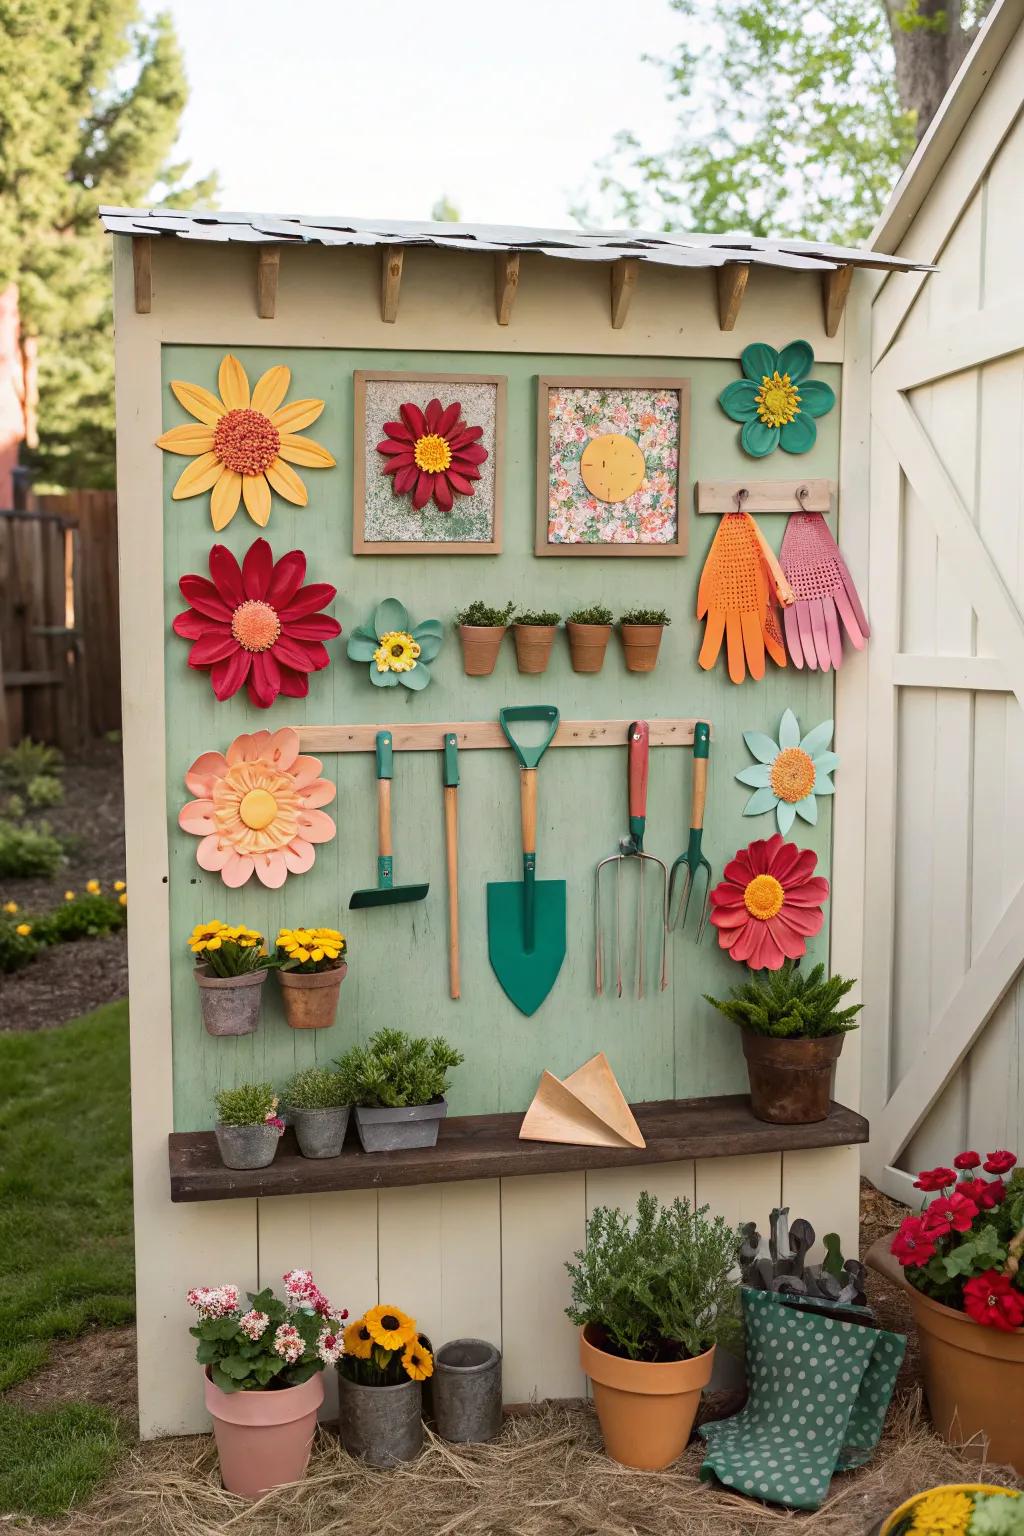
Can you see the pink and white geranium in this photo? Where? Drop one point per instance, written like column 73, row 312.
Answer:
column 213, row 1300
column 288, row 1343
column 271, row 1343
column 253, row 1324
column 330, row 1346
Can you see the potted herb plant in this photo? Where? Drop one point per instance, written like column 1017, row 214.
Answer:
column 397, row 1086
column 380, row 1376
column 652, row 1295
column 640, row 630
column 263, row 1382
column 231, row 967
column 248, row 1126
column 481, row 631
column 311, row 966
column 588, row 630
column 793, row 1028
column 966, row 1509
column 317, row 1103
column 534, row 635
column 961, row 1263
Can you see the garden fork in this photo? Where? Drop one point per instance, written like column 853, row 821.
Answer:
column 632, row 847
column 693, row 860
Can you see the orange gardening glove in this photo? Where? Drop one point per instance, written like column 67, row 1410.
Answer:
column 735, row 595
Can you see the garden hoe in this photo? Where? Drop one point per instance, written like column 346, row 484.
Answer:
column 526, row 918
column 632, row 847
column 693, row 861
column 386, row 893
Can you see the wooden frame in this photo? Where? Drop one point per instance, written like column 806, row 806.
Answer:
column 363, row 546
column 680, row 387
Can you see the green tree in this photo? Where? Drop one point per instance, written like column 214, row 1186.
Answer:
column 91, row 98
column 795, row 118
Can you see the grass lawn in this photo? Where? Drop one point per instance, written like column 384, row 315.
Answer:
column 66, row 1260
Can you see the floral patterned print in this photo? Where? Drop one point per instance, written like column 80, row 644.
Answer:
column 651, row 418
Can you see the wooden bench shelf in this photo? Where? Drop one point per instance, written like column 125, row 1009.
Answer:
column 488, row 1147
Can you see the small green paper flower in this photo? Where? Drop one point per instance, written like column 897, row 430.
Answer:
column 775, row 400
column 789, row 772
column 396, row 652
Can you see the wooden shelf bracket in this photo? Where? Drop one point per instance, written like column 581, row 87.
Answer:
column 506, row 284
column 142, row 267
column 268, row 267
column 835, row 287
column 732, row 285
column 392, row 261
column 625, row 273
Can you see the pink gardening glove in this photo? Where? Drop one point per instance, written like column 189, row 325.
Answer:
column 823, row 587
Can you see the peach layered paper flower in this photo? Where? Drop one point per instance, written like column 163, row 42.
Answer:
column 258, row 809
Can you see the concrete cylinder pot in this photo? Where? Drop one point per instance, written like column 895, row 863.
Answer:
column 247, row 1146
column 230, row 1004
column 467, row 1391
column 264, row 1438
column 320, row 1132
column 480, row 646
column 380, row 1425
column 791, row 1080
column 587, row 645
column 394, row 1130
column 640, row 645
column 311, row 1000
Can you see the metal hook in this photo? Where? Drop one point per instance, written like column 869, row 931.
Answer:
column 741, row 496
column 802, row 493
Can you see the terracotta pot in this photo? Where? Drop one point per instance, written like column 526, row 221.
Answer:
column 646, row 1411
column 264, row 1438
column 640, row 645
column 230, row 1004
column 587, row 645
column 791, row 1080
column 907, row 1507
column 311, row 1001
column 533, row 646
column 480, row 646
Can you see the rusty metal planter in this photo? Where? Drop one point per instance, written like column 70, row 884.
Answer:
column 791, row 1081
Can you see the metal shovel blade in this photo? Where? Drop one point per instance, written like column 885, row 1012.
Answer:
column 526, row 975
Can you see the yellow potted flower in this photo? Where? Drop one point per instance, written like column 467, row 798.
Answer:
column 380, row 1376
column 958, row 1509
column 311, row 966
column 231, row 967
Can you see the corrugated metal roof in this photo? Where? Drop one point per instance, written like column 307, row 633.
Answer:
column 674, row 249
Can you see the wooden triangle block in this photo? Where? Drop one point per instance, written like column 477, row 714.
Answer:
column 588, row 1109
column 596, row 1084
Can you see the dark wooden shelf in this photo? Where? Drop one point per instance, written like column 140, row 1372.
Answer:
column 488, row 1147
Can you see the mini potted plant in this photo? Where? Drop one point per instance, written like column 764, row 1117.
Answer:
column 961, row 1263
column 311, row 966
column 588, row 630
column 957, row 1509
column 263, row 1376
column 397, row 1086
column 793, row 1030
column 231, row 967
column 318, row 1107
column 380, row 1376
column 481, row 631
column 652, row 1295
column 248, row 1126
column 534, row 635
column 640, row 630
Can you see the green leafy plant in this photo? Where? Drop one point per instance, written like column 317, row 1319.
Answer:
column 394, row 1070
column 598, row 614
column 542, row 619
column 248, row 1104
column 26, row 851
column 271, row 1344
column 791, row 1004
column 19, row 943
column 15, row 808
column 29, row 760
column 83, row 917
column 480, row 615
column 658, row 1285
column 316, row 1088
column 645, row 616
column 228, row 950
column 44, row 791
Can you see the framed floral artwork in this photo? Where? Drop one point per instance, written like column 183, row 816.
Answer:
column 428, row 463
column 612, row 466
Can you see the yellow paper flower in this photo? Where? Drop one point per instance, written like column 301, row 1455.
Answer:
column 418, row 1362
column 119, row 885
column 777, row 400
column 93, row 887
column 358, row 1341
column 389, row 1327
column 942, row 1513
column 24, row 929
column 245, row 442
column 397, row 652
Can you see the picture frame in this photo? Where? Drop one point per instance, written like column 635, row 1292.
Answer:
column 378, row 513
column 667, row 508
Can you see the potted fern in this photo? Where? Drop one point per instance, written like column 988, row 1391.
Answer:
column 793, row 1028
column 481, row 631
column 397, row 1087
column 588, row 630
column 534, row 635
column 640, row 630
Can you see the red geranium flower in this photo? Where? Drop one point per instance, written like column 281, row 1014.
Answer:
column 931, row 1179
column 257, row 624
column 432, row 453
column 769, row 903
column 967, row 1160
column 986, row 1193
column 992, row 1300
column 913, row 1244
column 999, row 1162
column 950, row 1213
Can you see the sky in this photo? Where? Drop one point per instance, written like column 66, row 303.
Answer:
column 366, row 108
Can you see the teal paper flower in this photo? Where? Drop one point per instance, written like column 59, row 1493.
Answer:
column 397, row 653
column 790, row 772
column 775, row 400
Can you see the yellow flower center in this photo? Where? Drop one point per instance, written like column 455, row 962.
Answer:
column 777, row 400
column 432, row 453
column 246, row 441
column 792, row 775
column 255, row 626
column 763, row 897
column 397, row 652
column 258, row 809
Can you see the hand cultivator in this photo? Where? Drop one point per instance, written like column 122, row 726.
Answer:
column 693, row 860
column 632, row 848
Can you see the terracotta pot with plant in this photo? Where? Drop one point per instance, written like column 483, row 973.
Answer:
column 397, row 1086
column 961, row 1263
column 317, row 1103
column 534, row 635
column 793, row 1030
column 263, row 1382
column 588, row 630
column 481, row 631
column 231, row 967
column 652, row 1297
column 311, row 966
column 248, row 1126
column 380, row 1377
column 640, row 630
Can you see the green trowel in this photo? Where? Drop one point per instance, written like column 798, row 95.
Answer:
column 385, row 893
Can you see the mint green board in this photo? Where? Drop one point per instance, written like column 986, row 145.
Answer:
column 672, row 1044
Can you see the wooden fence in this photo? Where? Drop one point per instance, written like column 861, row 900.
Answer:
column 60, row 674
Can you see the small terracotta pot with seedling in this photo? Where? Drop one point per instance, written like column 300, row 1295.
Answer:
column 588, row 630
column 318, row 1107
column 481, row 631
column 248, row 1126
column 640, row 630
column 397, row 1085
column 311, row 966
column 231, row 967
column 534, row 635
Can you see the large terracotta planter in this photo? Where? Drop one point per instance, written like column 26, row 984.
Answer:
column 791, row 1081
column 311, row 1000
column 646, row 1412
column 480, row 646
column 640, row 645
column 264, row 1438
column 230, row 1004
column 587, row 645
column 533, row 646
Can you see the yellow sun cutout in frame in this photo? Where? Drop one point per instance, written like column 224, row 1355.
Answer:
column 612, row 467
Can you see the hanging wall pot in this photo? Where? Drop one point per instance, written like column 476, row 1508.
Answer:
column 397, row 652
column 776, row 400
column 789, row 773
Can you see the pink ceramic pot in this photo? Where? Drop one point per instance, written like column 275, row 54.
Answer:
column 264, row 1438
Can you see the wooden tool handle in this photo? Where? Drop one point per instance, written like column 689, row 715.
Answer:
column 700, row 789
column 384, row 847
column 451, row 838
column 528, row 808
column 639, row 766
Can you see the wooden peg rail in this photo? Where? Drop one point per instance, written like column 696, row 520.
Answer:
column 718, row 496
column 484, row 734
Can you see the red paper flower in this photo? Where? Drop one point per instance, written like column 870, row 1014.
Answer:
column 769, row 903
column 985, row 1193
column 432, row 453
column 999, row 1162
column 257, row 624
column 950, row 1213
column 931, row 1179
column 992, row 1300
column 913, row 1244
column 967, row 1160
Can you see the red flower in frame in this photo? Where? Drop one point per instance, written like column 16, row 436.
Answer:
column 967, row 1160
column 914, row 1243
column 256, row 624
column 432, row 453
column 992, row 1300
column 999, row 1162
column 932, row 1179
column 769, row 903
column 950, row 1213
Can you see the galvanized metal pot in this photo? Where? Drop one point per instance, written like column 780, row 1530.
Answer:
column 320, row 1132
column 467, row 1390
column 791, row 1081
column 311, row 1000
column 230, row 1004
column 392, row 1130
column 381, row 1425
column 247, row 1146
